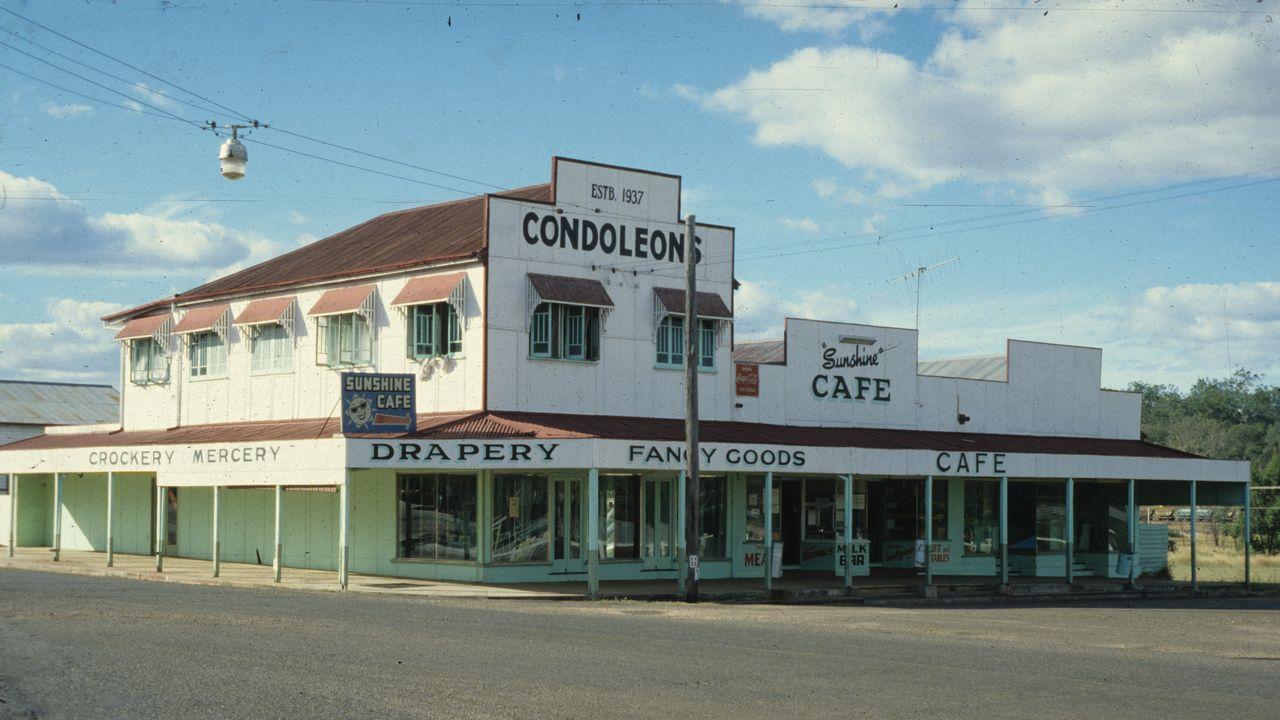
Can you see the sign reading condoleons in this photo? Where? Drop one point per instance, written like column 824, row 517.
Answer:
column 381, row 403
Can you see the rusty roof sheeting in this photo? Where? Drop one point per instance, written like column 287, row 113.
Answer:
column 574, row 290
column 52, row 403
column 397, row 240
column 429, row 289
column 199, row 319
column 707, row 304
column 142, row 327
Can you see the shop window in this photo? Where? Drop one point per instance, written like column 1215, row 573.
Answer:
column 1051, row 517
column 714, row 517
column 520, row 519
column 820, row 509
column 434, row 331
column 565, row 332
column 343, row 340
column 1102, row 522
column 670, row 343
column 270, row 349
column 207, row 355
column 902, row 510
column 620, row 517
column 4, row 484
column 148, row 362
column 940, row 506
column 981, row 521
column 437, row 517
column 755, row 510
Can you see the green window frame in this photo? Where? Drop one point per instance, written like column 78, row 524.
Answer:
column 560, row 331
column 669, row 343
column 434, row 331
column 206, row 355
column 344, row 340
column 148, row 362
column 270, row 349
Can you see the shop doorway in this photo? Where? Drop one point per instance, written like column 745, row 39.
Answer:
column 657, row 530
column 566, row 525
column 791, row 515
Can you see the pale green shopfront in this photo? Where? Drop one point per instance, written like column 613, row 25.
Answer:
column 506, row 526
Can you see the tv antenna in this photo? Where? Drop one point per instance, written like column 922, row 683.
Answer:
column 918, row 274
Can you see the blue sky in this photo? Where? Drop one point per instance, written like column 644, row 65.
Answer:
column 1105, row 172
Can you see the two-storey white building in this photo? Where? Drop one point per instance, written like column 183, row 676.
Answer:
column 543, row 329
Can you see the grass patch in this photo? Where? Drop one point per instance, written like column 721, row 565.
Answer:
column 1224, row 563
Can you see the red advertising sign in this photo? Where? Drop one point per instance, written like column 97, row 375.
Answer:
column 747, row 380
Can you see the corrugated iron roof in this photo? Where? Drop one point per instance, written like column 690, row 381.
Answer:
column 41, row 403
column 397, row 240
column 975, row 367
column 761, row 352
column 499, row 425
column 709, row 305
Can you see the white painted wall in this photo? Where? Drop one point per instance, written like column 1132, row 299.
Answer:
column 1051, row 390
column 625, row 380
column 312, row 391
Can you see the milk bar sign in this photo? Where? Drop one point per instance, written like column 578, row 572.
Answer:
column 378, row 403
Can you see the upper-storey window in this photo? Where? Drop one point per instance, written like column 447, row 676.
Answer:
column 207, row 355
column 565, row 332
column 567, row 316
column 434, row 331
column 148, row 362
column 344, row 326
column 670, row 342
column 270, row 349
column 343, row 340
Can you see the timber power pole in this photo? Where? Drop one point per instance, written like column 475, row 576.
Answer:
column 693, row 530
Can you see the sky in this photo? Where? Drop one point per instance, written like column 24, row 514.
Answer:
column 1104, row 173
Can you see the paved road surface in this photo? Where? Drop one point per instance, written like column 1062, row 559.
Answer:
column 82, row 647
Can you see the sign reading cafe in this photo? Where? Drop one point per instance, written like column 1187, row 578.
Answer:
column 378, row 403
column 842, row 386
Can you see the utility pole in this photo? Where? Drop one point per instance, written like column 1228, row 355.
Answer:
column 693, row 530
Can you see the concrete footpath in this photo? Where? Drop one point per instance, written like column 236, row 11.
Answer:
column 895, row 590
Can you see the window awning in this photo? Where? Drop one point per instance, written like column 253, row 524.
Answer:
column 268, row 311
column 570, row 290
column 215, row 318
column 708, row 305
column 144, row 327
column 340, row 301
column 430, row 289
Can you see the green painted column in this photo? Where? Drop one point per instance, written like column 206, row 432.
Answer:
column 162, row 508
column 344, row 531
column 111, row 499
column 13, row 514
column 768, row 531
column 593, row 533
column 1004, row 530
column 1248, row 533
column 1133, row 532
column 57, row 517
column 1195, row 585
column 217, row 527
column 279, row 558
column 1070, row 531
column 682, row 511
column 848, row 532
column 928, row 531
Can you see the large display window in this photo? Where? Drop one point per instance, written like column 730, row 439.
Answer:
column 437, row 517
column 521, row 521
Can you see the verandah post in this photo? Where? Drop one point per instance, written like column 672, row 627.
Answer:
column 848, row 532
column 111, row 496
column 1194, row 580
column 928, row 532
column 13, row 514
column 682, row 508
column 57, row 517
column 1248, row 533
column 1070, row 530
column 217, row 540
column 1004, row 529
column 161, row 529
column 277, row 559
column 593, row 533
column 1133, row 532
column 768, row 531
column 344, row 531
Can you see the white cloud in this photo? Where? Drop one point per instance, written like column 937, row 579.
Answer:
column 298, row 218
column 805, row 225
column 65, row 111
column 46, row 229
column 760, row 308
column 68, row 344
column 1056, row 103
column 830, row 16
